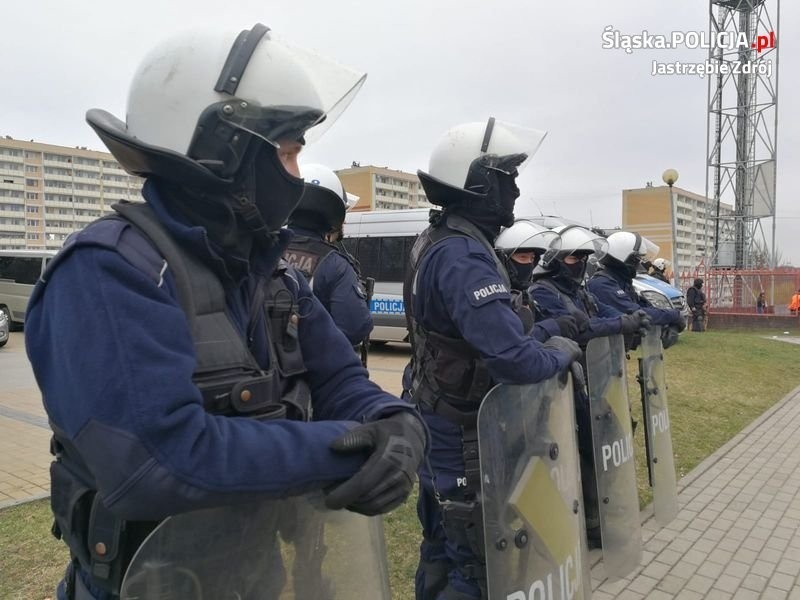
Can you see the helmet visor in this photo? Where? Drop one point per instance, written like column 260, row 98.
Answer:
column 648, row 251
column 508, row 148
column 328, row 89
column 577, row 240
column 350, row 200
column 547, row 243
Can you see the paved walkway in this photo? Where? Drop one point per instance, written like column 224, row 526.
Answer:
column 737, row 534
column 24, row 433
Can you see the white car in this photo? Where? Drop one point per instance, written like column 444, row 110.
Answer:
column 3, row 329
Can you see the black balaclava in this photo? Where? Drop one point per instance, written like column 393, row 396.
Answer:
column 628, row 268
column 495, row 209
column 488, row 197
column 519, row 274
column 252, row 208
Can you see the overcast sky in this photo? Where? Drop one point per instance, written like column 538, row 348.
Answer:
column 432, row 64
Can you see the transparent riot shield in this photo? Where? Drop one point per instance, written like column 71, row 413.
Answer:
column 276, row 550
column 612, row 440
column 531, row 493
column 661, row 464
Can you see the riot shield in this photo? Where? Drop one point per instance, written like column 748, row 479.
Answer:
column 661, row 463
column 531, row 493
column 612, row 440
column 275, row 550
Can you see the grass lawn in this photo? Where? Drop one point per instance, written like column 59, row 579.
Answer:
column 718, row 383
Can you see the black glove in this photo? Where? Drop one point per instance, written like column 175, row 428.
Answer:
column 565, row 346
column 396, row 447
column 634, row 322
column 581, row 320
column 567, row 327
column 680, row 323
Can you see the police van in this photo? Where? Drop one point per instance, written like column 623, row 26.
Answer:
column 19, row 272
column 381, row 241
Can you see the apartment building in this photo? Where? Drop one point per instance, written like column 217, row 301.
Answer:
column 648, row 211
column 47, row 191
column 381, row 188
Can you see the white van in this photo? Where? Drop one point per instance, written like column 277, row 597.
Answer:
column 19, row 272
column 381, row 241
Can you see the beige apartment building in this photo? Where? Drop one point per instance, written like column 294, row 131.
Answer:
column 648, row 211
column 380, row 188
column 47, row 191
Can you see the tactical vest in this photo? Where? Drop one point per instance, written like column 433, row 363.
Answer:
column 632, row 340
column 582, row 306
column 306, row 254
column 227, row 374
column 448, row 374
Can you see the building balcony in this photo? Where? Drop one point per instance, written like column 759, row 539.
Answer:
column 63, row 164
column 4, row 228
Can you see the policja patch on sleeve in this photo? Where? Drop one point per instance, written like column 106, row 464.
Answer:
column 486, row 291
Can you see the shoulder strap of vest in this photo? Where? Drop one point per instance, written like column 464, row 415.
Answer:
column 462, row 225
column 200, row 295
column 571, row 306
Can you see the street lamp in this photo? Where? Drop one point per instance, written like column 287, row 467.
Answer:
column 670, row 176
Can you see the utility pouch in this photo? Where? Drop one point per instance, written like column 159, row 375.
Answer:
column 71, row 503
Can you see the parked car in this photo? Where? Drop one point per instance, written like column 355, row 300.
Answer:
column 3, row 329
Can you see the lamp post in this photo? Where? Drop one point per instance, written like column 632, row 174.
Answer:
column 670, row 176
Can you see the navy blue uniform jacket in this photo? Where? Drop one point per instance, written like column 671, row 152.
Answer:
column 113, row 356
column 459, row 293
column 616, row 290
column 336, row 285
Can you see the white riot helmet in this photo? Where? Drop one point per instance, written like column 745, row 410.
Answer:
column 324, row 200
column 660, row 264
column 513, row 245
column 579, row 243
column 527, row 236
column 629, row 249
column 469, row 162
column 202, row 104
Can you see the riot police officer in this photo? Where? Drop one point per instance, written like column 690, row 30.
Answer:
column 465, row 337
column 331, row 273
column 612, row 284
column 195, row 319
column 557, row 290
column 520, row 248
column 659, row 269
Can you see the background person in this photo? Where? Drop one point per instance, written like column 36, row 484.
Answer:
column 612, row 284
column 317, row 223
column 520, row 248
column 659, row 269
column 761, row 303
column 696, row 301
column 794, row 304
